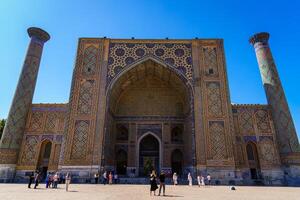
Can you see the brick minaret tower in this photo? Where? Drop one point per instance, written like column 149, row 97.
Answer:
column 15, row 124
column 283, row 122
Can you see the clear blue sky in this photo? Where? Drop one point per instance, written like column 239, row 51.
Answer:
column 234, row 21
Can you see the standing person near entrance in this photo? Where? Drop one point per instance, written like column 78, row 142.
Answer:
column 68, row 181
column 116, row 178
column 175, row 177
column 96, row 176
column 36, row 179
column 190, row 179
column 47, row 180
column 162, row 184
column 153, row 184
column 202, row 181
column 104, row 176
column 55, row 180
column 110, row 178
column 31, row 178
column 199, row 180
column 208, row 179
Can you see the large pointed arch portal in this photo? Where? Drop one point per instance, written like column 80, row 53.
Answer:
column 148, row 96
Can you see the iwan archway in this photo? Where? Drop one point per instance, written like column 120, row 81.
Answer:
column 149, row 153
column 147, row 101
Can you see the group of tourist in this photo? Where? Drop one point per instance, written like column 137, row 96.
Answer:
column 200, row 180
column 153, row 183
column 162, row 185
column 51, row 180
column 108, row 178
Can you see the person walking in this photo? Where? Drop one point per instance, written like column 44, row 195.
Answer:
column 199, row 180
column 50, row 180
column 47, row 180
column 116, row 178
column 153, row 184
column 68, row 181
column 208, row 179
column 96, row 176
column 31, row 178
column 202, row 181
column 110, row 178
column 104, row 176
column 55, row 180
column 162, row 184
column 36, row 179
column 190, row 179
column 175, row 177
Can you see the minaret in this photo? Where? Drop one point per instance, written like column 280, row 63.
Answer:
column 15, row 124
column 283, row 122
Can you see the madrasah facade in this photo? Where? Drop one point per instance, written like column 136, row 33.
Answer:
column 142, row 104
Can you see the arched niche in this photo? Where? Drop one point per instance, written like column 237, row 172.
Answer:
column 253, row 160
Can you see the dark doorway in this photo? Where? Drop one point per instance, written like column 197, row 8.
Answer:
column 44, row 157
column 121, row 161
column 253, row 160
column 253, row 173
column 149, row 155
column 177, row 161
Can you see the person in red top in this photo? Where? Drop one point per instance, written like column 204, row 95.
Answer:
column 110, row 178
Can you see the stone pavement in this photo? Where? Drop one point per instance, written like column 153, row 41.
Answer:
column 141, row 192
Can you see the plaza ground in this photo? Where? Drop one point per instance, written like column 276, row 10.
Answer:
column 139, row 192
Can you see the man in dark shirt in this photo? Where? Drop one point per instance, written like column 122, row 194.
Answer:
column 162, row 184
column 31, row 178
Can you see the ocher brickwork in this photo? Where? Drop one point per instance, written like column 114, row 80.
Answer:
column 212, row 106
column 253, row 123
column 161, row 100
column 44, row 122
column 174, row 92
column 14, row 127
column 284, row 126
column 80, row 130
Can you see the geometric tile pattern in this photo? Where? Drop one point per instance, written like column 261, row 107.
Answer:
column 286, row 133
column 8, row 156
column 56, row 154
column 214, row 99
column 263, row 121
column 51, row 122
column 51, row 116
column 177, row 55
column 268, row 153
column 210, row 61
column 86, row 97
column 36, row 121
column 79, row 147
column 30, row 151
column 217, row 140
column 89, row 61
column 13, row 132
column 246, row 121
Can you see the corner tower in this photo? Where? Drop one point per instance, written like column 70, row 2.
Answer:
column 283, row 122
column 16, row 120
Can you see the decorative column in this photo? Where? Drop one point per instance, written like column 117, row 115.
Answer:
column 283, row 122
column 15, row 124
